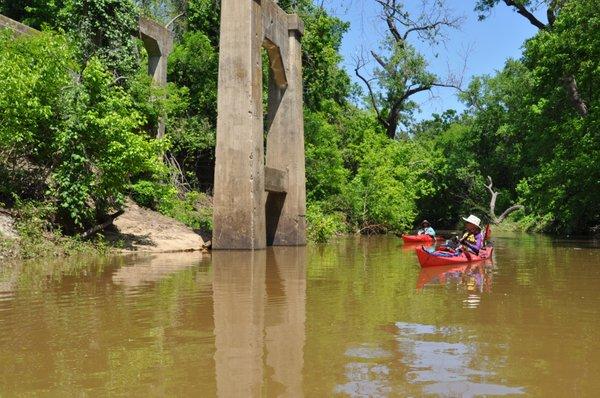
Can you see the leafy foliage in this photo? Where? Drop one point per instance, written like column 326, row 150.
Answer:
column 522, row 130
column 85, row 137
column 103, row 29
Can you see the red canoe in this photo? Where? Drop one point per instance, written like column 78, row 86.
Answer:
column 440, row 257
column 418, row 239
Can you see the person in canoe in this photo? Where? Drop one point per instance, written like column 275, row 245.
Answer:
column 473, row 238
column 426, row 229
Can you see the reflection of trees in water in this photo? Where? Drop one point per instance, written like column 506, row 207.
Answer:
column 74, row 328
column 149, row 324
column 147, row 269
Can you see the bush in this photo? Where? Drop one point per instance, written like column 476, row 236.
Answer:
column 194, row 210
column 39, row 237
column 323, row 226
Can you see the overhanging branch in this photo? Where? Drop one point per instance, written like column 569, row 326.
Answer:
column 526, row 13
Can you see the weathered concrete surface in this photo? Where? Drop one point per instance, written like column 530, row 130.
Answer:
column 17, row 27
column 285, row 145
column 158, row 42
column 276, row 180
column 242, row 204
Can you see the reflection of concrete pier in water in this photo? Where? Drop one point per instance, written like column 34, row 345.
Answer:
column 259, row 308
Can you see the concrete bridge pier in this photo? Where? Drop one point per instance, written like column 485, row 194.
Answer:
column 286, row 222
column 259, row 200
column 158, row 42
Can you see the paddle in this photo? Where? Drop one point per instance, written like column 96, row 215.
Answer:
column 467, row 254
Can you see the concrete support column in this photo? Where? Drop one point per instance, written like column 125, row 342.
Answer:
column 239, row 216
column 286, row 222
column 158, row 42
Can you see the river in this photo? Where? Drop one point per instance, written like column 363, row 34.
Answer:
column 357, row 317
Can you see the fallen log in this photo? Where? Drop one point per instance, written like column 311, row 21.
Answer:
column 101, row 227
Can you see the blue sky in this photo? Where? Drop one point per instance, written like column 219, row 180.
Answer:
column 488, row 43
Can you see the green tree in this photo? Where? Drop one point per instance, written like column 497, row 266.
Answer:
column 104, row 29
column 78, row 137
column 527, row 9
column 35, row 13
column 563, row 191
column 401, row 71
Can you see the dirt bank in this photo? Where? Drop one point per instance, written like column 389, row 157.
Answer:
column 143, row 230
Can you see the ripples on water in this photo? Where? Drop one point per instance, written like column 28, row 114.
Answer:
column 355, row 318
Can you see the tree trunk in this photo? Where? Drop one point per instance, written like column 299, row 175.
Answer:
column 102, row 226
column 573, row 92
column 511, row 209
column 392, row 123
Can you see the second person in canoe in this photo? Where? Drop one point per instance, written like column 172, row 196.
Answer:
column 426, row 229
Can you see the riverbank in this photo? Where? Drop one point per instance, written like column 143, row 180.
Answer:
column 137, row 230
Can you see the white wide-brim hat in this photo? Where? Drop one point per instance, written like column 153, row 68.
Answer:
column 473, row 220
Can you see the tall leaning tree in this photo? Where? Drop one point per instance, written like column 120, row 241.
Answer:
column 400, row 71
column 530, row 10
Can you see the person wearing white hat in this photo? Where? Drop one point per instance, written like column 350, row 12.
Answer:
column 426, row 229
column 472, row 240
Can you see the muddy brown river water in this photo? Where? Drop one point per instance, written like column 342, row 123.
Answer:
column 354, row 318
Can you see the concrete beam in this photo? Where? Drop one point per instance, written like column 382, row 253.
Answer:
column 158, row 42
column 18, row 28
column 295, row 24
column 276, row 180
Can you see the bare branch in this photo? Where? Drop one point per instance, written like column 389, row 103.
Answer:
column 379, row 60
column 360, row 63
column 172, row 21
column 412, row 91
column 432, row 27
column 494, row 194
column 492, row 211
column 102, row 226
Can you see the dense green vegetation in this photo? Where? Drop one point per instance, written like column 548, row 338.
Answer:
column 78, row 113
